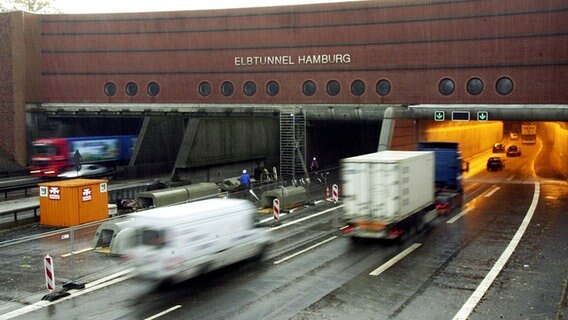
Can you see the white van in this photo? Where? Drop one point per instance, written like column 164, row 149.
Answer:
column 182, row 241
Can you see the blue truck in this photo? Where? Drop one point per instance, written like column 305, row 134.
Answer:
column 449, row 169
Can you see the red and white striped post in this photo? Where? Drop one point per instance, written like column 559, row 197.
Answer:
column 49, row 273
column 335, row 193
column 276, row 209
column 327, row 193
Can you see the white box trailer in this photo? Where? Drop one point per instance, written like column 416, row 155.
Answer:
column 182, row 241
column 386, row 192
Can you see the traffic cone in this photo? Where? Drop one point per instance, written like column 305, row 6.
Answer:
column 327, row 193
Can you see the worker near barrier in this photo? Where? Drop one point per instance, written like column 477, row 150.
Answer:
column 314, row 165
column 244, row 179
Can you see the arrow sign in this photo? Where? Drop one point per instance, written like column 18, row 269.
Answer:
column 439, row 115
column 482, row 116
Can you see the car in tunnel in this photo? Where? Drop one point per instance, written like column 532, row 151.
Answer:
column 495, row 164
column 498, row 148
column 86, row 170
column 513, row 151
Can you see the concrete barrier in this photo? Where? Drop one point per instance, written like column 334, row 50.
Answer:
column 289, row 197
column 115, row 237
column 163, row 197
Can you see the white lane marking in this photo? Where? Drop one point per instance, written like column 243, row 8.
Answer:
column 305, row 250
column 110, row 277
column 511, row 177
column 164, row 312
column 476, row 296
column 394, row 260
column 490, row 193
column 76, row 252
column 306, row 218
column 89, row 287
column 27, row 309
column 459, row 215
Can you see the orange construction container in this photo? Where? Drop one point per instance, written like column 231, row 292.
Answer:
column 72, row 202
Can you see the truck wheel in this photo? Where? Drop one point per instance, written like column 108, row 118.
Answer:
column 355, row 240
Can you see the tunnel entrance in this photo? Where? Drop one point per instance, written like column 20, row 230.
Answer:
column 332, row 141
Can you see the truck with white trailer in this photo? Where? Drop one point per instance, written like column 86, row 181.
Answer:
column 390, row 194
column 182, row 241
column 528, row 133
column 386, row 193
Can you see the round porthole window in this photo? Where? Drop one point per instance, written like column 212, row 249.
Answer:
column 204, row 88
column 153, row 89
column 358, row 87
column 383, row 87
column 309, row 88
column 227, row 88
column 446, row 86
column 249, row 88
column 131, row 89
column 272, row 88
column 333, row 88
column 474, row 86
column 110, row 89
column 504, row 86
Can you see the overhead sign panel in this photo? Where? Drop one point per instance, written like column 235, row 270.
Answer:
column 482, row 116
column 439, row 115
column 460, row 115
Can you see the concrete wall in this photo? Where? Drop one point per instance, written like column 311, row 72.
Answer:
column 157, row 145
column 213, row 149
column 473, row 137
column 20, row 75
column 558, row 134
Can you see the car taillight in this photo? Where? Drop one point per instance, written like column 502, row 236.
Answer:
column 441, row 206
column 350, row 228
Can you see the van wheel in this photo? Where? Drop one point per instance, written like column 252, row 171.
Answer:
column 204, row 268
column 262, row 252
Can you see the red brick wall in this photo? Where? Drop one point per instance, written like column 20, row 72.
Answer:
column 20, row 79
column 7, row 103
column 413, row 44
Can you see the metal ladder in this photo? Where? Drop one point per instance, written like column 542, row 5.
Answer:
column 292, row 142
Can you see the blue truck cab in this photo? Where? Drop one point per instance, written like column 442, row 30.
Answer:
column 449, row 164
column 449, row 168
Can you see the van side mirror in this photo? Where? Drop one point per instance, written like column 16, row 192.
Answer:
column 465, row 166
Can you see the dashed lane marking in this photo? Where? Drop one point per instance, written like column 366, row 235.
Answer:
column 492, row 191
column 459, row 215
column 305, row 250
column 394, row 260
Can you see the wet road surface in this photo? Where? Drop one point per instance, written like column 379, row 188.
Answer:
column 332, row 280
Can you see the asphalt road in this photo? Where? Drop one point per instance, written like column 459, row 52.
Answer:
column 504, row 256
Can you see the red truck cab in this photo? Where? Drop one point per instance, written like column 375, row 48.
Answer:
column 50, row 157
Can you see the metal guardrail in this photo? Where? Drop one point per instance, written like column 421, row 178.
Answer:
column 32, row 203
column 19, row 206
column 320, row 180
column 25, row 184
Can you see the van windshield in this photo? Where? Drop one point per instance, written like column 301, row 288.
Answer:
column 153, row 237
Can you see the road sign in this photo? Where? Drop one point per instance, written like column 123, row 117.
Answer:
column 439, row 115
column 460, row 116
column 335, row 193
column 49, row 273
column 482, row 116
column 276, row 209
